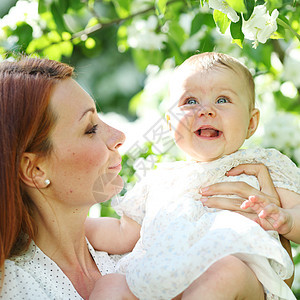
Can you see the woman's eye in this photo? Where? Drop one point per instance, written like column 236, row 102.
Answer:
column 191, row 101
column 222, row 100
column 92, row 130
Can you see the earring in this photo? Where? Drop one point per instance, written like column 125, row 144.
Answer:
column 47, row 182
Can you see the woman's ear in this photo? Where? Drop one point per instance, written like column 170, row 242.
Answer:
column 253, row 123
column 32, row 172
column 168, row 118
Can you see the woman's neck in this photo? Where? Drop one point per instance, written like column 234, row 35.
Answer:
column 61, row 237
column 61, row 232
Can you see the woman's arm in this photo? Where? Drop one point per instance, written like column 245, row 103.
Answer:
column 244, row 191
column 112, row 235
column 267, row 207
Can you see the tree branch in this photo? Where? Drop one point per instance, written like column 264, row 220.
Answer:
column 102, row 25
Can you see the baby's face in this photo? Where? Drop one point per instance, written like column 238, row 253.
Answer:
column 212, row 117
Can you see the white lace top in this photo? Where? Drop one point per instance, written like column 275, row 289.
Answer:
column 180, row 238
column 34, row 275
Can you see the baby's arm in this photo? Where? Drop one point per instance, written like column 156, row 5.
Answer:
column 285, row 220
column 112, row 235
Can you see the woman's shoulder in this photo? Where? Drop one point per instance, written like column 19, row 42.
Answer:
column 19, row 284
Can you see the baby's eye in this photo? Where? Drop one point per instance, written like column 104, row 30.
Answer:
column 191, row 101
column 222, row 100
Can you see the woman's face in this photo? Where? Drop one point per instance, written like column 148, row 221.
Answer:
column 85, row 162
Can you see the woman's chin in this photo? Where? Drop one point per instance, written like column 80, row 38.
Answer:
column 103, row 193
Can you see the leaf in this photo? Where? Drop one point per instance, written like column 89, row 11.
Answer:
column 282, row 21
column 236, row 32
column 273, row 4
column 161, row 6
column 200, row 20
column 5, row 6
column 122, row 7
column 176, row 32
column 249, row 7
column 62, row 5
column 237, row 5
column 24, row 33
column 221, row 20
column 58, row 18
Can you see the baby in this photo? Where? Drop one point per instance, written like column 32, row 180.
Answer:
column 181, row 238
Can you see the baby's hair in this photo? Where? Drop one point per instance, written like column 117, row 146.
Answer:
column 210, row 60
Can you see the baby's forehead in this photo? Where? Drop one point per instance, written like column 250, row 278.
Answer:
column 186, row 74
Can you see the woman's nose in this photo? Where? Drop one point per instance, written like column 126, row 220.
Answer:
column 116, row 138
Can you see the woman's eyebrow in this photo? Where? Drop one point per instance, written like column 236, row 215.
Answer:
column 91, row 109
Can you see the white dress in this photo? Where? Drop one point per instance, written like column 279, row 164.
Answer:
column 34, row 276
column 180, row 238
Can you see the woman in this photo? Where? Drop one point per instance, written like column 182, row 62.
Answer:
column 57, row 159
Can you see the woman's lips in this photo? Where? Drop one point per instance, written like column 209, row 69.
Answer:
column 117, row 166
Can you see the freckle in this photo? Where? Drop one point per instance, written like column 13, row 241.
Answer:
column 73, row 153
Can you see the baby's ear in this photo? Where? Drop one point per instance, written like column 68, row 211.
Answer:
column 168, row 118
column 31, row 171
column 253, row 123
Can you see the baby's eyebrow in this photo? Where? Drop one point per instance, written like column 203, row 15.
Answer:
column 229, row 90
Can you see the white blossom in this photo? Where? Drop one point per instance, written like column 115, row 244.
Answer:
column 224, row 7
column 282, row 133
column 292, row 66
column 261, row 25
column 142, row 35
column 26, row 11
column 192, row 43
column 185, row 22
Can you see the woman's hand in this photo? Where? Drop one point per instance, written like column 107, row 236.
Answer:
column 267, row 193
column 112, row 287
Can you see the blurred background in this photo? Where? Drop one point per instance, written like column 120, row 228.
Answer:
column 124, row 51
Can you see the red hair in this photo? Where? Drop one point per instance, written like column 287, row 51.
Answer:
column 26, row 121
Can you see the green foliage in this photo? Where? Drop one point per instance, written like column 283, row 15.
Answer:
column 238, row 5
column 236, row 33
column 221, row 20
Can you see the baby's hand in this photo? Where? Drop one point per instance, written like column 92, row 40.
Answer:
column 112, row 287
column 270, row 216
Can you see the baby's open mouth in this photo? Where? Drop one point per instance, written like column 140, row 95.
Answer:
column 208, row 132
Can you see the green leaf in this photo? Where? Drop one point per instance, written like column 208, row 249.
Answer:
column 273, row 4
column 122, row 7
column 249, row 7
column 176, row 32
column 42, row 7
column 58, row 17
column 237, row 5
column 134, row 102
column 5, row 6
column 283, row 21
column 200, row 20
column 24, row 33
column 236, row 32
column 221, row 20
column 161, row 6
